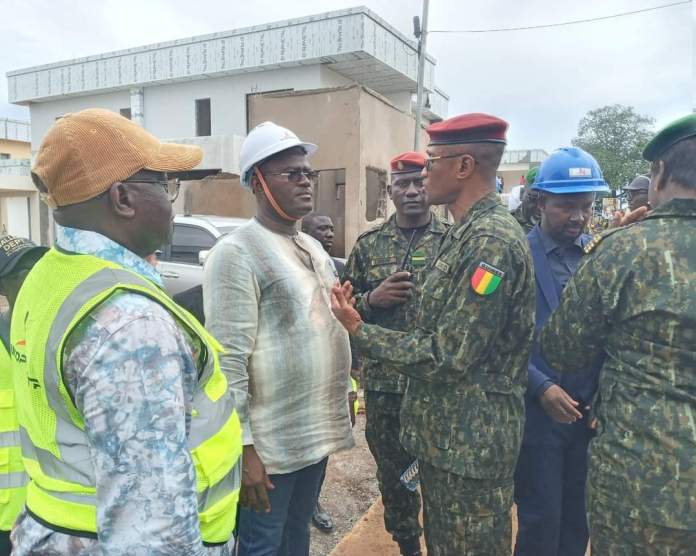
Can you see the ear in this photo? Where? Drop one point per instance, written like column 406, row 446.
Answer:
column 541, row 202
column 255, row 185
column 466, row 166
column 657, row 175
column 389, row 190
column 122, row 200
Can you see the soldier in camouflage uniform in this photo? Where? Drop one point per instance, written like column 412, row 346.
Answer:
column 634, row 301
column 466, row 359
column 527, row 214
column 377, row 268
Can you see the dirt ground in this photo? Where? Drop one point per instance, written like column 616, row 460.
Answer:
column 351, row 496
column 349, row 490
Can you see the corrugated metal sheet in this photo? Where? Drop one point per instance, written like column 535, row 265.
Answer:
column 355, row 43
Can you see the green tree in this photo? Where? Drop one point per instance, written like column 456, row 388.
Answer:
column 615, row 135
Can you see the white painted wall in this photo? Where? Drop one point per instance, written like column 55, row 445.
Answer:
column 43, row 114
column 17, row 216
column 170, row 109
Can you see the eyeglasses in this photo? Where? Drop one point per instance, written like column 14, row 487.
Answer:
column 429, row 161
column 171, row 187
column 405, row 184
column 295, row 176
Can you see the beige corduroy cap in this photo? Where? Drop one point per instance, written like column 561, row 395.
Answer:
column 84, row 153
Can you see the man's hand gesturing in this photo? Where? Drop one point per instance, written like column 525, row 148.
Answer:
column 342, row 305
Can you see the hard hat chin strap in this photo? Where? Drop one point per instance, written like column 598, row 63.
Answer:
column 267, row 192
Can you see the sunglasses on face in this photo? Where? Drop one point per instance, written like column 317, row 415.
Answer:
column 430, row 161
column 297, row 175
column 171, row 187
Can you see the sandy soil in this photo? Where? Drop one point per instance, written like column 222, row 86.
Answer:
column 349, row 490
column 351, row 496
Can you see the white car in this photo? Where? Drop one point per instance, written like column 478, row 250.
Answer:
column 181, row 262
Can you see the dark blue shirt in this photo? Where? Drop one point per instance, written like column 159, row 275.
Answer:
column 564, row 261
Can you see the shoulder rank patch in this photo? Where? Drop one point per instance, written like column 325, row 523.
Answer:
column 442, row 266
column 593, row 243
column 486, row 279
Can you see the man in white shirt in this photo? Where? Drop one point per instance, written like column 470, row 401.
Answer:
column 267, row 290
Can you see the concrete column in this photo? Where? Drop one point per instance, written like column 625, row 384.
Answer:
column 137, row 105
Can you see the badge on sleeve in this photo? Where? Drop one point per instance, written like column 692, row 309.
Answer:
column 486, row 279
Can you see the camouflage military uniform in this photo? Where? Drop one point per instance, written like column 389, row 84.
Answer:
column 634, row 301
column 463, row 410
column 524, row 218
column 377, row 255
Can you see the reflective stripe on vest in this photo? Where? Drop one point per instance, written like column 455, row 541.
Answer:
column 13, row 479
column 62, row 489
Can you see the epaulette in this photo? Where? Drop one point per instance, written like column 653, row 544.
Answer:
column 370, row 231
column 598, row 238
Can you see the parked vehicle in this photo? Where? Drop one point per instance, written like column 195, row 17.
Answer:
column 181, row 262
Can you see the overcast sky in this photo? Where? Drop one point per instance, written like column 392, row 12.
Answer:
column 541, row 81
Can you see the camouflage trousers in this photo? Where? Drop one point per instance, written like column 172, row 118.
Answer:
column 401, row 506
column 465, row 517
column 614, row 532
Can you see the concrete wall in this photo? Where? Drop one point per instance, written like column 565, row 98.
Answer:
column 385, row 132
column 43, row 114
column 170, row 109
column 16, row 149
column 218, row 196
column 19, row 214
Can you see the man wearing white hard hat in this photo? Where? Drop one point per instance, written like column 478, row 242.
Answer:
column 266, row 295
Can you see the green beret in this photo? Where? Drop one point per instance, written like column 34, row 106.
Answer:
column 678, row 130
column 531, row 176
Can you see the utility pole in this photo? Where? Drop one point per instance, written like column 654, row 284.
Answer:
column 693, row 55
column 421, row 32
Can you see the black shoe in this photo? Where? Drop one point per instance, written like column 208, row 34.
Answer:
column 410, row 547
column 321, row 519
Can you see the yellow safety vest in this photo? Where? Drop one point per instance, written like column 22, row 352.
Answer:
column 58, row 293
column 13, row 479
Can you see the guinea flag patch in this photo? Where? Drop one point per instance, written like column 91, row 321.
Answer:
column 486, row 279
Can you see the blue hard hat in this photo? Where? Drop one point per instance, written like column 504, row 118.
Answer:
column 570, row 170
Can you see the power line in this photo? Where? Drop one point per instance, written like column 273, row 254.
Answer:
column 563, row 23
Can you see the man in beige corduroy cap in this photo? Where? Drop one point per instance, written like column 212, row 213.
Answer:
column 129, row 435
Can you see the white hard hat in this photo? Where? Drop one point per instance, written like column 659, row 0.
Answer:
column 265, row 140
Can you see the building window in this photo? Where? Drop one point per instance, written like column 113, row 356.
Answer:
column 376, row 189
column 125, row 112
column 203, row 117
column 4, row 156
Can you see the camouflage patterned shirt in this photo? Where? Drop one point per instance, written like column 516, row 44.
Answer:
column 132, row 372
column 524, row 219
column 466, row 360
column 634, row 300
column 377, row 255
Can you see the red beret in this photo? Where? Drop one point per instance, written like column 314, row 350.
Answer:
column 468, row 128
column 407, row 162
